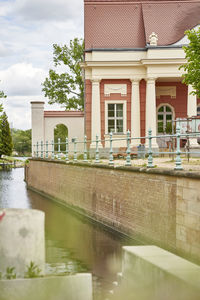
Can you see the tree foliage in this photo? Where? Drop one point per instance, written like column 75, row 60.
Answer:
column 2, row 95
column 22, row 141
column 61, row 132
column 192, row 66
column 66, row 88
column 6, row 145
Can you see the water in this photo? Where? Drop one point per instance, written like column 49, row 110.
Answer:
column 73, row 244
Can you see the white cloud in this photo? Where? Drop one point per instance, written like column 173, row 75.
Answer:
column 28, row 29
column 45, row 10
column 22, row 79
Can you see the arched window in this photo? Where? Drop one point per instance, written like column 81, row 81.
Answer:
column 198, row 110
column 165, row 116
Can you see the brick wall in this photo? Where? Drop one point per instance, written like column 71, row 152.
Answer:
column 156, row 206
column 179, row 103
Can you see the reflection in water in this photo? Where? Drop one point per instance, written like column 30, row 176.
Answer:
column 13, row 193
column 73, row 244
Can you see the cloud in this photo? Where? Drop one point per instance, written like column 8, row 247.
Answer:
column 22, row 80
column 28, row 29
column 45, row 10
column 18, row 110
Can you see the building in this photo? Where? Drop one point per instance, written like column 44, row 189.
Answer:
column 44, row 122
column 133, row 51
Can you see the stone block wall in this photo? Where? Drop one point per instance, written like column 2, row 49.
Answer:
column 159, row 207
column 188, row 216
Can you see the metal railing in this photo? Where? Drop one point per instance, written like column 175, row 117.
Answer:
column 47, row 150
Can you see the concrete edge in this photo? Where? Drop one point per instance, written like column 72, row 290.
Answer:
column 177, row 274
column 46, row 277
column 156, row 171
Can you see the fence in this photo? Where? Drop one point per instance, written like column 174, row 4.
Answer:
column 47, row 150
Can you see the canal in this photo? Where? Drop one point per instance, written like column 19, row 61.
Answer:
column 73, row 244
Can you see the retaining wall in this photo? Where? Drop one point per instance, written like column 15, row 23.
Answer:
column 158, row 206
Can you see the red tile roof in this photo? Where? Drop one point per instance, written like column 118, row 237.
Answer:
column 128, row 24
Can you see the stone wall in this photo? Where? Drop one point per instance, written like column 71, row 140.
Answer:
column 157, row 206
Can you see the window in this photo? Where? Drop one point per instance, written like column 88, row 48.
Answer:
column 165, row 116
column 115, row 117
column 198, row 110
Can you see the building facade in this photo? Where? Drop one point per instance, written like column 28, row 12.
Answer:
column 44, row 122
column 133, row 51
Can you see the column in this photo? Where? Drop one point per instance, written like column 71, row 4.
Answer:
column 192, row 111
column 135, row 111
column 191, row 103
column 96, row 112
column 151, row 110
column 37, row 123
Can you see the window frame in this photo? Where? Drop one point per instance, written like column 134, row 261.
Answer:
column 124, row 102
column 164, row 114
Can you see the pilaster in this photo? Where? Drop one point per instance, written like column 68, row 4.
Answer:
column 191, row 103
column 96, row 112
column 192, row 111
column 37, row 123
column 135, row 111
column 151, row 109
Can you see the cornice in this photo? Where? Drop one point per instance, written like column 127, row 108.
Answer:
column 134, row 63
column 110, row 63
column 163, row 61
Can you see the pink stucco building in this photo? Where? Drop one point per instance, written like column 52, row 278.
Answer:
column 133, row 50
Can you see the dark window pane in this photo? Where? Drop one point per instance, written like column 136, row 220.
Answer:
column 119, row 125
column 111, row 106
column 111, row 122
column 161, row 109
column 111, row 113
column 168, row 117
column 198, row 111
column 168, row 127
column 111, row 126
column 160, row 117
column 168, row 108
column 120, row 113
column 119, row 106
column 160, row 127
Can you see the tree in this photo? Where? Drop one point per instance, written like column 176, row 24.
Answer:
column 60, row 131
column 192, row 66
column 22, row 141
column 2, row 95
column 66, row 88
column 6, row 145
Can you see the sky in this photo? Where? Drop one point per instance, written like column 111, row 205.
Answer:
column 28, row 30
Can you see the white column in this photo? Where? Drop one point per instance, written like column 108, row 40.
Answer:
column 151, row 110
column 192, row 111
column 191, row 103
column 37, row 123
column 135, row 111
column 96, row 112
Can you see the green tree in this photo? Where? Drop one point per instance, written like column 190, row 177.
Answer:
column 22, row 141
column 192, row 66
column 61, row 132
column 2, row 95
column 6, row 145
column 66, row 88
